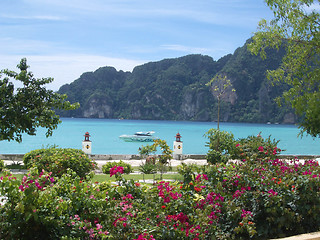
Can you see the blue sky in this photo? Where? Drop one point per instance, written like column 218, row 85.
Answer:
column 65, row 38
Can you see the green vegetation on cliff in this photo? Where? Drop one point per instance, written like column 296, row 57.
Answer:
column 175, row 89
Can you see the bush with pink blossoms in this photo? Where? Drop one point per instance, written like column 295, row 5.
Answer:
column 256, row 147
column 261, row 199
column 116, row 170
column 106, row 168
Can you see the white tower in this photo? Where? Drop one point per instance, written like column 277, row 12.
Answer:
column 177, row 147
column 86, row 144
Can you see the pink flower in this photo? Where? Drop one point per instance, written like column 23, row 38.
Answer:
column 116, row 169
column 24, row 179
column 21, row 188
column 272, row 193
column 245, row 213
column 98, row 226
column 198, row 177
column 38, row 185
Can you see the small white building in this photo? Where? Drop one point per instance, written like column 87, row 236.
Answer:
column 86, row 144
column 177, row 147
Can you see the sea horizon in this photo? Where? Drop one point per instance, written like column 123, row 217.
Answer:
column 105, row 136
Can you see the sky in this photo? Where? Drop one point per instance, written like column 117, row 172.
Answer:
column 65, row 38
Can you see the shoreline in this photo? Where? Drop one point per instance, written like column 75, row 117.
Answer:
column 106, row 157
column 136, row 160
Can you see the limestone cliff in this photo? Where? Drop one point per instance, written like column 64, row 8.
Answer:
column 175, row 89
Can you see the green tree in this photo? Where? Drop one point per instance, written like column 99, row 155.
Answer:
column 24, row 109
column 221, row 145
column 296, row 26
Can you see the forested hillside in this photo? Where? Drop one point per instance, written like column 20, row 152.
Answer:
column 175, row 89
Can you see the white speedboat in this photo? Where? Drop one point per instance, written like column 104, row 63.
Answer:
column 139, row 137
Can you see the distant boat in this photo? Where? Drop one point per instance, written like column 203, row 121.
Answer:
column 139, row 137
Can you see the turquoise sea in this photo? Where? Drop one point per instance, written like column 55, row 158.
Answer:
column 105, row 136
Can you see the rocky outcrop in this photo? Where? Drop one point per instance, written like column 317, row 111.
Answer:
column 289, row 118
column 98, row 108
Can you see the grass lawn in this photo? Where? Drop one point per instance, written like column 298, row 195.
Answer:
column 170, row 168
column 135, row 177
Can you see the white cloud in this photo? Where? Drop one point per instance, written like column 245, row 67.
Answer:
column 66, row 68
column 63, row 39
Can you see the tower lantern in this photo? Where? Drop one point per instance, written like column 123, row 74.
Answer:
column 86, row 144
column 178, row 137
column 177, row 147
column 86, row 137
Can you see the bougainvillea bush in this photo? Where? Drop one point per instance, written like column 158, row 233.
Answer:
column 256, row 147
column 223, row 147
column 261, row 199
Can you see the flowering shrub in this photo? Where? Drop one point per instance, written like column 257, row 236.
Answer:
column 262, row 199
column 223, row 147
column 256, row 147
column 20, row 213
column 58, row 160
column 109, row 165
column 116, row 170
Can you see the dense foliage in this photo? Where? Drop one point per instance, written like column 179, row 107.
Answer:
column 256, row 147
column 156, row 160
column 1, row 165
column 26, row 108
column 257, row 199
column 176, row 89
column 296, row 25
column 223, row 147
column 59, row 160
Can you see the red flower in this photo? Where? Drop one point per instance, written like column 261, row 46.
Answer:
column 163, row 206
